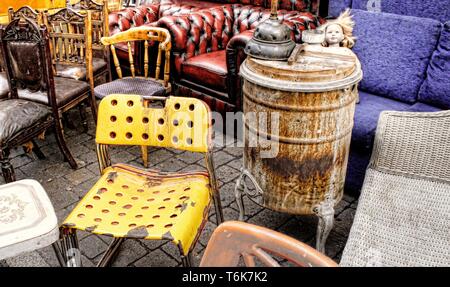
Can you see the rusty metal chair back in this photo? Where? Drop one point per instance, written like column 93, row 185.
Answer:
column 234, row 240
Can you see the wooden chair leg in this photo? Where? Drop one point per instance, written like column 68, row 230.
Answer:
column 93, row 103
column 63, row 146
column 83, row 116
column 7, row 168
column 37, row 151
column 144, row 150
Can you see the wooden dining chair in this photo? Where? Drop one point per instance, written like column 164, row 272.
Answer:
column 34, row 92
column 71, row 53
column 140, row 80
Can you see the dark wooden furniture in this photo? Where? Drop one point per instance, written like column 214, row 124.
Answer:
column 26, row 51
column 233, row 241
column 71, row 51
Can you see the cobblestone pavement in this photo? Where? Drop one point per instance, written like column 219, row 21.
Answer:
column 66, row 187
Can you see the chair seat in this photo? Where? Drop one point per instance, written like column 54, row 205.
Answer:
column 4, row 87
column 145, row 87
column 132, row 203
column 207, row 69
column 27, row 218
column 66, row 90
column 17, row 114
column 79, row 72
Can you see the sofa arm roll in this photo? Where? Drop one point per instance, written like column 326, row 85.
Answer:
column 235, row 57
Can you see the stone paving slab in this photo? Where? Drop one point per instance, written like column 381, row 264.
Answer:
column 66, row 187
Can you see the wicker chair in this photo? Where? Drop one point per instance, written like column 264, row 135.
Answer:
column 403, row 216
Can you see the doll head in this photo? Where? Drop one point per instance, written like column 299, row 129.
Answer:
column 339, row 32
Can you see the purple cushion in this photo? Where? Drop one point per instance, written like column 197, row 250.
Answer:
column 356, row 170
column 436, row 88
column 394, row 51
column 335, row 7
column 434, row 9
column 421, row 107
column 366, row 118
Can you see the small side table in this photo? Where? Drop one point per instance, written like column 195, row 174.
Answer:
column 27, row 218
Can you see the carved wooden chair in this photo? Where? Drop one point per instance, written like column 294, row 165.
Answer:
column 143, row 85
column 128, row 202
column 26, row 51
column 100, row 28
column 25, row 11
column 71, row 48
column 115, row 5
column 234, row 240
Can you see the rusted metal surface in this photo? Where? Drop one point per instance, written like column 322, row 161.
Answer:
column 313, row 136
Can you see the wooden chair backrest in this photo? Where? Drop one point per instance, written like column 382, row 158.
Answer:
column 146, row 35
column 234, row 240
column 27, row 12
column 70, row 38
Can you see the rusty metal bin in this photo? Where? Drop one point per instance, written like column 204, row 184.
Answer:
column 314, row 101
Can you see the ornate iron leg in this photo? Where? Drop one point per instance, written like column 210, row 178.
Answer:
column 70, row 251
column 7, row 168
column 325, row 212
column 238, row 193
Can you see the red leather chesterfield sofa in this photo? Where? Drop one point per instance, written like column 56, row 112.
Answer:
column 209, row 37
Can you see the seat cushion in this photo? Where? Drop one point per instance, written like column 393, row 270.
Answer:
column 393, row 66
column 18, row 114
column 27, row 218
column 79, row 72
column 433, row 9
column 366, row 118
column 207, row 69
column 133, row 203
column 66, row 90
column 436, row 88
column 4, row 87
column 145, row 87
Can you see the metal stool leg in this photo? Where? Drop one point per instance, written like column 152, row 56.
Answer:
column 70, row 251
column 111, row 252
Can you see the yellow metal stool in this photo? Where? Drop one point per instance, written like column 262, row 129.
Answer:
column 128, row 202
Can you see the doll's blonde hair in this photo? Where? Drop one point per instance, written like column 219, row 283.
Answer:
column 347, row 24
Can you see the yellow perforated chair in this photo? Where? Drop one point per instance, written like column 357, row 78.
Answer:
column 128, row 202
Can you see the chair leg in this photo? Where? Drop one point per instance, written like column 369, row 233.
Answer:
column 111, row 252
column 63, row 145
column 70, row 251
column 37, row 151
column 186, row 260
column 7, row 168
column 93, row 103
column 83, row 116
column 58, row 254
column 144, row 150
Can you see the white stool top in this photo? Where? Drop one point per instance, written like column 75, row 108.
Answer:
column 27, row 218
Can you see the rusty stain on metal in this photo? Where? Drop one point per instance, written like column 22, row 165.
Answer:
column 112, row 176
column 167, row 236
column 139, row 232
column 313, row 135
column 193, row 204
column 91, row 228
column 152, row 182
column 184, row 206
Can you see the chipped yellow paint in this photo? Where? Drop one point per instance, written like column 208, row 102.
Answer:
column 131, row 203
column 183, row 124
